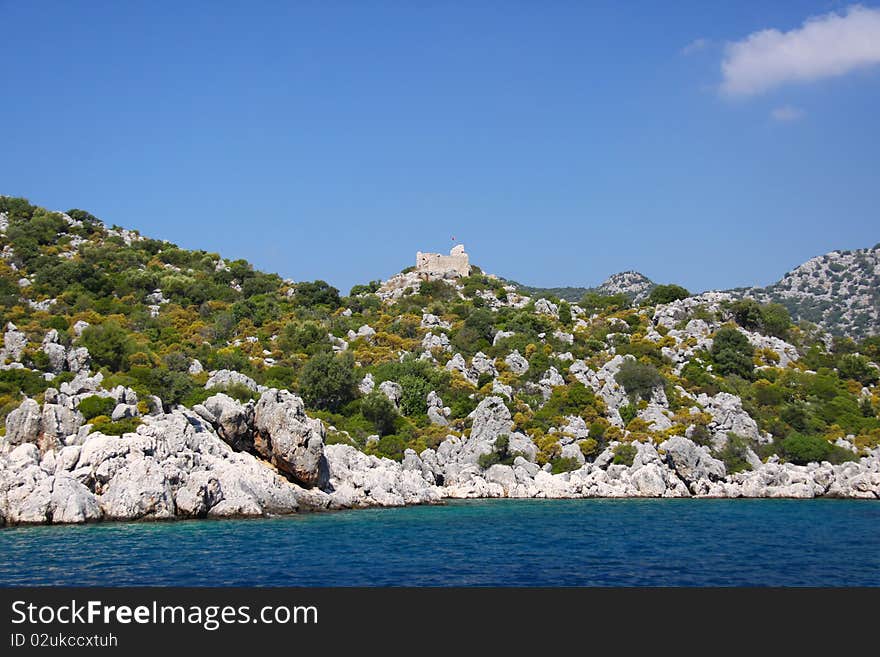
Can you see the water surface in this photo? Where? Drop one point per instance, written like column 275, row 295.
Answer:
column 472, row 543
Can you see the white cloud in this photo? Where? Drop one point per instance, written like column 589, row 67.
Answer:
column 694, row 46
column 823, row 47
column 787, row 113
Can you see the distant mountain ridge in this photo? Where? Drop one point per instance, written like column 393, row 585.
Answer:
column 632, row 284
column 838, row 291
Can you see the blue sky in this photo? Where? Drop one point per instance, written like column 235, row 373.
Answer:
column 560, row 141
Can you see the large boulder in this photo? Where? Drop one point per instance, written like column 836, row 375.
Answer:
column 14, row 342
column 691, row 462
column 649, row 480
column 58, row 422
column 232, row 420
column 729, row 416
column 24, row 424
column 72, row 502
column 287, row 437
column 56, row 353
column 25, row 493
column 490, row 419
column 139, row 489
column 437, row 413
column 79, row 360
column 357, row 479
column 517, row 363
column 482, row 364
column 225, row 378
column 393, row 391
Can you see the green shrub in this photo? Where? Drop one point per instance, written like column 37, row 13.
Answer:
column 565, row 313
column 733, row 454
column 109, row 345
column 328, row 382
column 26, row 381
column 499, row 453
column 770, row 319
column 638, row 379
column 624, row 454
column 369, row 288
column 379, row 410
column 307, row 338
column 317, row 293
column 857, row 368
column 414, row 394
column 667, row 294
column 93, row 406
column 391, row 446
column 628, row 412
column 564, row 464
column 108, row 428
column 808, row 448
column 172, row 387
column 594, row 302
column 589, row 447
column 732, row 353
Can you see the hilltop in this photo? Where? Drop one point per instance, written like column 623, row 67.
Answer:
column 839, row 291
column 142, row 380
column 634, row 286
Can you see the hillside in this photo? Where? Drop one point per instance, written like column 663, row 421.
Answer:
column 839, row 291
column 470, row 387
column 635, row 286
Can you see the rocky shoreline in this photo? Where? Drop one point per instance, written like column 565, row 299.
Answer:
column 225, row 459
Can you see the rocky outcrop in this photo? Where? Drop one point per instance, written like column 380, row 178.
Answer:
column 603, row 382
column 14, row 343
column 358, row 480
column 546, row 307
column 288, row 438
column 728, row 416
column 393, row 391
column 691, row 462
column 24, row 424
column 437, row 412
column 225, row 378
column 517, row 363
column 232, row 420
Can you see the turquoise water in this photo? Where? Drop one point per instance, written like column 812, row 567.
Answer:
column 482, row 542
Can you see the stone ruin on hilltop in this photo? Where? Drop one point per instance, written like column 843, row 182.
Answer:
column 436, row 265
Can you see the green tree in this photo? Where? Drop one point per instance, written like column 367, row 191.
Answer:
column 415, row 389
column 802, row 449
column 770, row 318
column 667, row 294
column 317, row 293
column 775, row 320
column 565, row 313
column 734, row 454
column 857, row 368
column 624, row 454
column 379, row 410
column 732, row 353
column 327, row 382
column 93, row 406
column 747, row 313
column 638, row 379
column 109, row 345
column 307, row 338
column 593, row 302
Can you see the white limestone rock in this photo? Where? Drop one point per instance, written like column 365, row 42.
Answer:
column 517, row 363
column 290, row 439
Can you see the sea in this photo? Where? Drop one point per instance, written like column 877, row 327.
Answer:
column 629, row 542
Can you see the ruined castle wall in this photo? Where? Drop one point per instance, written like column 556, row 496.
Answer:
column 435, row 263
